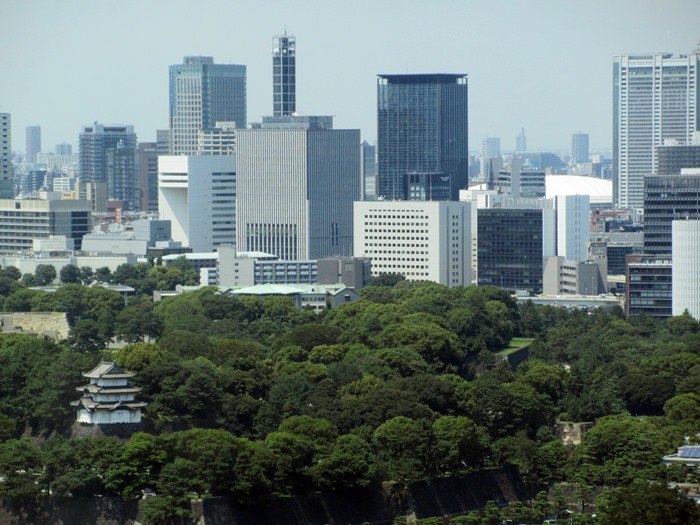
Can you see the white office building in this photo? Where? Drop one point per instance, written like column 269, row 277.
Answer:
column 198, row 195
column 655, row 97
column 421, row 240
column 686, row 267
column 573, row 226
column 296, row 181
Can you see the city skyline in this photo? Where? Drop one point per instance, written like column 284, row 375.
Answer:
column 535, row 65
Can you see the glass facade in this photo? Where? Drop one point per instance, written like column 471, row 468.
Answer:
column 201, row 94
column 422, row 127
column 509, row 249
column 667, row 198
column 284, row 75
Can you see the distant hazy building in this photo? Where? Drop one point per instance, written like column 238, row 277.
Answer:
column 369, row 170
column 284, row 75
column 23, row 221
column 667, row 198
column 217, row 140
column 422, row 127
column 490, row 149
column 108, row 155
column 64, row 149
column 202, row 93
column 32, row 143
column 579, row 148
column 143, row 235
column 655, row 97
column 148, row 176
column 520, row 181
column 7, row 187
column 672, row 157
column 521, row 141
column 163, row 141
column 198, row 195
column 419, row 240
column 686, row 267
column 296, row 181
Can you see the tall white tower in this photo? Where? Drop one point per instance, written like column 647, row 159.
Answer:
column 655, row 97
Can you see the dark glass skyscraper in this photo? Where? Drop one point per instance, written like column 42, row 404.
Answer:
column 422, row 127
column 284, row 82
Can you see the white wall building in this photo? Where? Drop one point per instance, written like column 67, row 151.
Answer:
column 686, row 267
column 655, row 97
column 198, row 195
column 573, row 226
column 422, row 240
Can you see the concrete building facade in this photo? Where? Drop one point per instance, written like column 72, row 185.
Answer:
column 686, row 267
column 108, row 154
column 429, row 240
column 202, row 93
column 22, row 221
column 198, row 195
column 295, row 190
column 655, row 97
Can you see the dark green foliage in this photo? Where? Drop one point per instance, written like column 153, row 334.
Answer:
column 649, row 503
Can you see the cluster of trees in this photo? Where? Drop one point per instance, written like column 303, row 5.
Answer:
column 249, row 397
column 143, row 277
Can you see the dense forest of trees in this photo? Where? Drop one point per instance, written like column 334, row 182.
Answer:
column 252, row 398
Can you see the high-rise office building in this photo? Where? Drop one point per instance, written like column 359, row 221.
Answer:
column 297, row 179
column 490, row 149
column 7, row 187
column 148, row 176
column 202, row 93
column 521, row 141
column 32, row 145
column 284, row 75
column 108, row 155
column 198, row 195
column 579, row 148
column 369, row 171
column 655, row 97
column 422, row 127
column 511, row 246
column 672, row 157
column 667, row 198
column 64, row 149
column 419, row 240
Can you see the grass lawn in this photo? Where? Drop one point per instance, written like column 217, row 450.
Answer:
column 516, row 344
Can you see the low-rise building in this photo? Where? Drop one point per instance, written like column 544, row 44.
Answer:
column 314, row 296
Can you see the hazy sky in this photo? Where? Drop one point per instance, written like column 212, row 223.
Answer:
column 545, row 65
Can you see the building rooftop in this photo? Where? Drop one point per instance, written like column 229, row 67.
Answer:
column 108, row 369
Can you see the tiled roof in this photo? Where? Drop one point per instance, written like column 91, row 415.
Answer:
column 108, row 370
